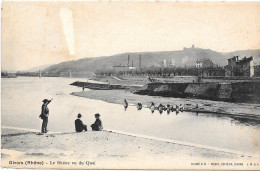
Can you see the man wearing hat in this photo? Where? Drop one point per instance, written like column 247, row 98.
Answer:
column 79, row 126
column 44, row 115
column 97, row 126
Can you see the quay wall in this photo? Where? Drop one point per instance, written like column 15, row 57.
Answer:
column 246, row 92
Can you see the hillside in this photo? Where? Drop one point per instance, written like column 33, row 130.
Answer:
column 35, row 69
column 187, row 56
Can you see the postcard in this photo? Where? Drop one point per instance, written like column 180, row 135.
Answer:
column 130, row 85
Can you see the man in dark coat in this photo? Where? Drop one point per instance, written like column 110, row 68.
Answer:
column 44, row 115
column 125, row 104
column 79, row 126
column 97, row 126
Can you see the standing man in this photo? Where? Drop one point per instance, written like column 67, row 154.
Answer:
column 44, row 115
column 125, row 104
column 79, row 126
column 97, row 126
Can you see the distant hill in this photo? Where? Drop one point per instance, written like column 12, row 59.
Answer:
column 42, row 67
column 185, row 57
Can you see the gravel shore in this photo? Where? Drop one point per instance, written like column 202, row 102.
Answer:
column 105, row 150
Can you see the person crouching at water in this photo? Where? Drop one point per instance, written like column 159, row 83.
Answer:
column 181, row 108
column 79, row 126
column 44, row 115
column 161, row 108
column 152, row 107
column 168, row 108
column 139, row 106
column 177, row 109
column 97, row 125
column 125, row 104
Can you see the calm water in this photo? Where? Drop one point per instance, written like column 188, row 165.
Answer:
column 22, row 100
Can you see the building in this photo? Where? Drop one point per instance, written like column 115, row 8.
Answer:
column 172, row 63
column 127, row 67
column 240, row 67
column 120, row 67
column 212, row 72
column 204, row 63
column 164, row 63
column 257, row 70
column 230, row 68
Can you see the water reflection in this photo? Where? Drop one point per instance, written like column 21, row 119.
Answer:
column 238, row 120
column 245, row 121
column 160, row 108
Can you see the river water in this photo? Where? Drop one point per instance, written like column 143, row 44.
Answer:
column 22, row 100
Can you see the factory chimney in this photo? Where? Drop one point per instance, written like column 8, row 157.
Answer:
column 128, row 60
column 140, row 62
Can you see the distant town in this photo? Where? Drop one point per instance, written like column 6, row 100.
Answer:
column 237, row 66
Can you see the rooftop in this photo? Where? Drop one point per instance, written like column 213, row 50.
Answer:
column 202, row 60
column 245, row 59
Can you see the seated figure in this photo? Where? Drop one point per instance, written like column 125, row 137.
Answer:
column 139, row 106
column 97, row 125
column 79, row 126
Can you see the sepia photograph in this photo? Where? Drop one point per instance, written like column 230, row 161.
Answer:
column 130, row 85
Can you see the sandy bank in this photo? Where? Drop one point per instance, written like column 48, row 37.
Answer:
column 242, row 110
column 106, row 149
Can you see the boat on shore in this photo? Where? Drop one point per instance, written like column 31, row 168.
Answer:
column 97, row 86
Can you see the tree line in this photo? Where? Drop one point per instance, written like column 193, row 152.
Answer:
column 162, row 71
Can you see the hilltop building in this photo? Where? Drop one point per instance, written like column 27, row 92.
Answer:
column 192, row 47
column 204, row 63
column 240, row 67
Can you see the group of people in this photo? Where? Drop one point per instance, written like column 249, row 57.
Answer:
column 96, row 126
column 169, row 108
column 79, row 125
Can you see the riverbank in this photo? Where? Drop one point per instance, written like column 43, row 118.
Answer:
column 240, row 92
column 108, row 150
column 223, row 89
column 243, row 110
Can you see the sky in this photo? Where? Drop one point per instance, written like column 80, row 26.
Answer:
column 40, row 33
